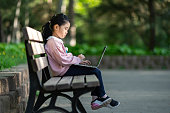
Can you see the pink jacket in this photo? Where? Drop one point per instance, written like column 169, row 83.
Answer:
column 59, row 60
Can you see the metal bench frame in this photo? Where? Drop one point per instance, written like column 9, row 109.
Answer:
column 51, row 87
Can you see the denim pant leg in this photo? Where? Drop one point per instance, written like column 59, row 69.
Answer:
column 76, row 70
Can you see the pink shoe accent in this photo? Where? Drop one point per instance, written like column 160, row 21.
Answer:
column 95, row 106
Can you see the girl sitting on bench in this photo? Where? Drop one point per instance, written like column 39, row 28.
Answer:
column 62, row 62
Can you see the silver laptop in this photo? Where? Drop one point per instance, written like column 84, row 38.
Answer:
column 98, row 64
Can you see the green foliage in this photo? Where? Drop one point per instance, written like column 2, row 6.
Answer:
column 82, row 5
column 99, row 22
column 161, row 51
column 116, row 50
column 124, row 22
column 14, row 54
column 11, row 55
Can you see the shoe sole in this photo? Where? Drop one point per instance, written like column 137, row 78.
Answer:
column 106, row 102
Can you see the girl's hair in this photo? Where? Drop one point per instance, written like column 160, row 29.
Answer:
column 47, row 29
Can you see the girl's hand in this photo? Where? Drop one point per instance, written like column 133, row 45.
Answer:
column 81, row 56
column 85, row 62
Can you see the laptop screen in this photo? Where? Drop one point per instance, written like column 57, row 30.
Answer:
column 101, row 57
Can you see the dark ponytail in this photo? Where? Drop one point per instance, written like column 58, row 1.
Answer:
column 47, row 29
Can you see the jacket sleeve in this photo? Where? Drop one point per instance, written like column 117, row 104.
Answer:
column 59, row 54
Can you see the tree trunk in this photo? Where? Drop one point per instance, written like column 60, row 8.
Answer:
column 16, row 34
column 59, row 4
column 2, row 37
column 27, row 17
column 72, row 27
column 152, row 24
column 0, row 29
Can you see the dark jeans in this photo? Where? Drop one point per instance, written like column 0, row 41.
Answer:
column 76, row 70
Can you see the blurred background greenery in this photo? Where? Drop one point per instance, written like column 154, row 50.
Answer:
column 128, row 27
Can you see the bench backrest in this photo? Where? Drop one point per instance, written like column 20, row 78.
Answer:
column 36, row 56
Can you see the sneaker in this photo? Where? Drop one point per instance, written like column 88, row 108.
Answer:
column 113, row 104
column 95, row 105
column 100, row 102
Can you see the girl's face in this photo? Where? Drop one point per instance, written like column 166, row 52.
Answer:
column 61, row 31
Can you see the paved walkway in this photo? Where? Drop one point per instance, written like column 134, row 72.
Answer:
column 137, row 91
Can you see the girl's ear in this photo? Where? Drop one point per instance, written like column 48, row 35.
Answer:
column 56, row 27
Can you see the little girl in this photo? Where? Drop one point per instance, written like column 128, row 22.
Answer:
column 62, row 63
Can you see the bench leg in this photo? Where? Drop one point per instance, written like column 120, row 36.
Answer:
column 31, row 100
column 51, row 105
column 76, row 102
column 80, row 106
column 32, row 92
column 53, row 100
column 41, row 99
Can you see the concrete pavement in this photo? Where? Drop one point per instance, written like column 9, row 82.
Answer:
column 137, row 91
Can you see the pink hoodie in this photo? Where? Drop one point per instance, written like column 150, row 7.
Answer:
column 59, row 60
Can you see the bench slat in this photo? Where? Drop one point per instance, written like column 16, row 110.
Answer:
column 32, row 34
column 39, row 63
column 92, row 81
column 40, row 36
column 78, row 82
column 35, row 48
column 65, row 83
column 51, row 84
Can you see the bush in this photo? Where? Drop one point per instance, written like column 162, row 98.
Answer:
column 11, row 55
column 116, row 50
column 14, row 54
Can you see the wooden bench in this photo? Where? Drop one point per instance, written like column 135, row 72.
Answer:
column 51, row 87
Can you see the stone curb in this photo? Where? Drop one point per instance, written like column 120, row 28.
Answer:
column 14, row 89
column 133, row 62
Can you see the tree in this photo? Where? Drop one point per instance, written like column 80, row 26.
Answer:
column 131, row 22
column 59, row 3
column 7, row 11
column 72, row 26
column 152, row 24
column 16, row 34
column 138, row 23
column 2, row 38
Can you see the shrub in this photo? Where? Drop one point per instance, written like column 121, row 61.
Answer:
column 14, row 54
column 117, row 50
column 11, row 55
